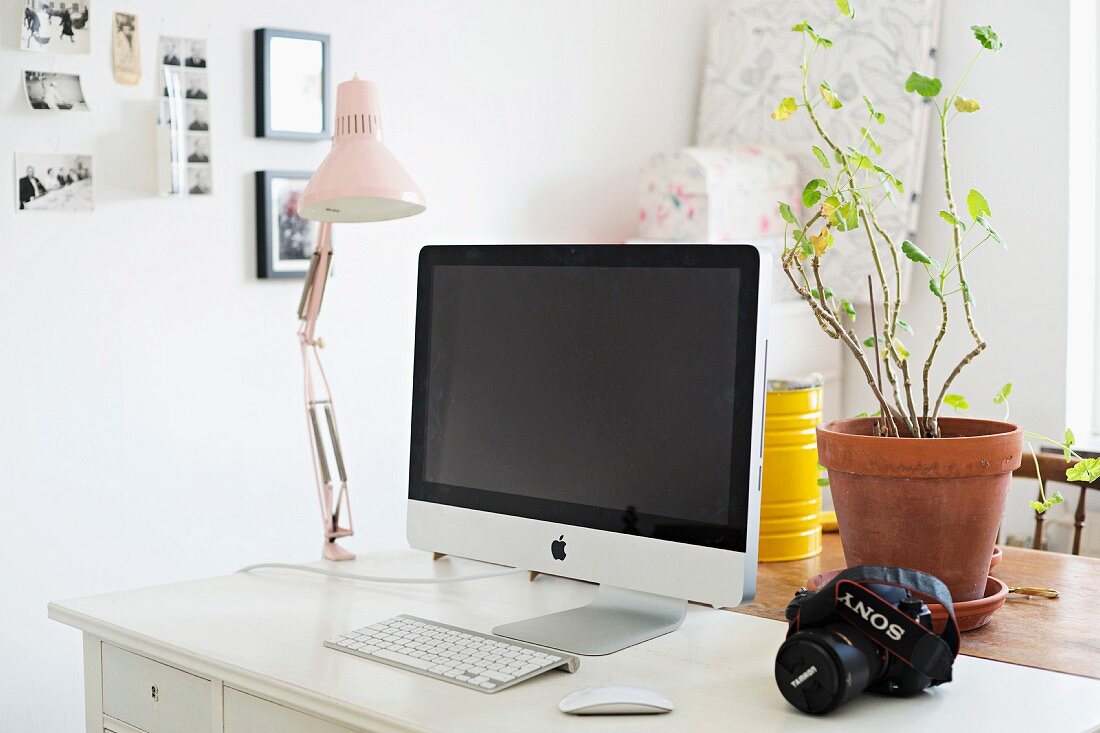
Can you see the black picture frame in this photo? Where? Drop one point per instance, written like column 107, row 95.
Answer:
column 267, row 244
column 262, row 39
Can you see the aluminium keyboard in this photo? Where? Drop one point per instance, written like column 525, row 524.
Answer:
column 480, row 662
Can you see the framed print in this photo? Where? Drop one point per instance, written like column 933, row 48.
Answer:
column 284, row 240
column 292, row 83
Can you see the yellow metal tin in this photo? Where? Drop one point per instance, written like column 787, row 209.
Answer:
column 790, row 509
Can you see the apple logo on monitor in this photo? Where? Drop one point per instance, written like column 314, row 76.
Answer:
column 557, row 548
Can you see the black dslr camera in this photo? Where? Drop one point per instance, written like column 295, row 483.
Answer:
column 866, row 629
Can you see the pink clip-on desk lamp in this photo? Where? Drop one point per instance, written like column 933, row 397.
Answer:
column 360, row 180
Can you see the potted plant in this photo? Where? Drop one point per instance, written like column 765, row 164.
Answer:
column 912, row 488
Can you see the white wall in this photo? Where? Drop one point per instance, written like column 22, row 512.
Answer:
column 151, row 428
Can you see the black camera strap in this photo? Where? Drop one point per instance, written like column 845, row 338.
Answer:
column 884, row 623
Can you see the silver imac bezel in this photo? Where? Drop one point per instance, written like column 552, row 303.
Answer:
column 719, row 577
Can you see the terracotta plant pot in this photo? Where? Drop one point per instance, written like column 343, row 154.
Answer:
column 929, row 504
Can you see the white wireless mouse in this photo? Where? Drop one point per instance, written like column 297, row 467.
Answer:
column 614, row 700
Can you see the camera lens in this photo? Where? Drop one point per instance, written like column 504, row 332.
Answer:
column 820, row 669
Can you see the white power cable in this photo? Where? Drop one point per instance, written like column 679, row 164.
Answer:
column 378, row 578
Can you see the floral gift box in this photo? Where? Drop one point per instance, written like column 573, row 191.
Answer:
column 715, row 194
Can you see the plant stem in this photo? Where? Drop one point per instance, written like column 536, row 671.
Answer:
column 890, row 314
column 849, row 341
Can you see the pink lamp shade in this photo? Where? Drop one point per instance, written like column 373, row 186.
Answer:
column 360, row 180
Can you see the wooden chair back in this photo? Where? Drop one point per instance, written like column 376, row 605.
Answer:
column 1052, row 470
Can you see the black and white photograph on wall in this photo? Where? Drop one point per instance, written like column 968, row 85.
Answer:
column 172, row 83
column 55, row 26
column 195, row 85
column 196, row 54
column 292, row 80
column 284, row 240
column 53, row 182
column 198, row 179
column 183, row 118
column 198, row 117
column 51, row 90
column 198, row 148
column 169, row 51
column 126, row 49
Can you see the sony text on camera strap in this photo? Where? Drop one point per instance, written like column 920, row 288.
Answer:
column 884, row 623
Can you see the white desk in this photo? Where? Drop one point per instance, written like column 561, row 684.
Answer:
column 260, row 634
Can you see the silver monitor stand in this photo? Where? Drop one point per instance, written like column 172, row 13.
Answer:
column 615, row 619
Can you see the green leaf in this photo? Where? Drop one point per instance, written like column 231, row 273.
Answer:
column 904, row 326
column 951, row 219
column 786, row 213
column 830, row 96
column 805, row 27
column 935, row 288
column 863, row 133
column 810, row 194
column 877, row 116
column 977, row 205
column 823, row 482
column 894, row 180
column 1002, row 394
column 845, row 8
column 859, row 160
column 966, row 105
column 848, row 308
column 1087, row 469
column 965, row 287
column 828, row 293
column 916, row 254
column 820, row 155
column 847, row 216
column 870, row 341
column 987, row 37
column 926, row 86
column 956, row 402
column 1057, row 498
column 984, row 224
column 899, row 347
column 1068, row 444
column 1038, row 506
column 786, row 108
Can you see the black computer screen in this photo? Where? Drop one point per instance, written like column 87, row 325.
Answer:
column 599, row 394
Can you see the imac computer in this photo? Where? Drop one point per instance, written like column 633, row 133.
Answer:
column 594, row 412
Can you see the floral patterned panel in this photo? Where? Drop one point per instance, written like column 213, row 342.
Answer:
column 752, row 63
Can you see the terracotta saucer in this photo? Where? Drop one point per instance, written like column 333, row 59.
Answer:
column 998, row 553
column 970, row 614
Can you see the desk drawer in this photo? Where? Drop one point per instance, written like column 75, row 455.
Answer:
column 153, row 696
column 246, row 713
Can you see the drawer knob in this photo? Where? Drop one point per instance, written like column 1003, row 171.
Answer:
column 155, row 692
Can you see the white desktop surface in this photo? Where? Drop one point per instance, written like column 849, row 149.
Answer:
column 262, row 632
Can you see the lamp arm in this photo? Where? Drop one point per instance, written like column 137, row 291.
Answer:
column 333, row 499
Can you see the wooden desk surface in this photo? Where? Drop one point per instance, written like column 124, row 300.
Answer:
column 1060, row 634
